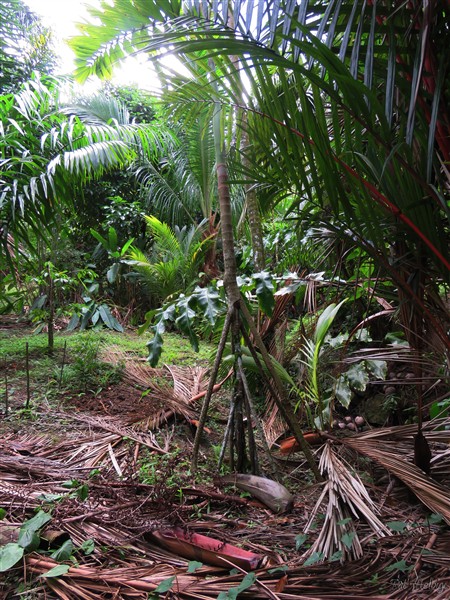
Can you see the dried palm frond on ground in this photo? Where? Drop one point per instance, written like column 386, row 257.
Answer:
column 437, row 430
column 434, row 495
column 163, row 399
column 392, row 448
column 120, row 512
column 347, row 499
column 118, row 515
column 115, row 426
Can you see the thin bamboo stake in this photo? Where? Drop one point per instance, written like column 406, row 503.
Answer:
column 62, row 366
column 212, row 381
column 27, row 368
column 252, row 448
column 226, row 436
column 6, row 391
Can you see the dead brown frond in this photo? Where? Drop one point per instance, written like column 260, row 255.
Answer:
column 162, row 398
column 188, row 382
column 347, row 499
column 392, row 448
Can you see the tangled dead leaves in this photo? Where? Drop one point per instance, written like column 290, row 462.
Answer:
column 119, row 513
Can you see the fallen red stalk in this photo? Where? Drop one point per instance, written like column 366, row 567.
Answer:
column 205, row 549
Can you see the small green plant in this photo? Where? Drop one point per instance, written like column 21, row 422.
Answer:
column 311, row 360
column 439, row 410
column 92, row 314
column 233, row 593
column 164, row 587
column 400, row 566
column 116, row 253
column 28, row 540
column 86, row 372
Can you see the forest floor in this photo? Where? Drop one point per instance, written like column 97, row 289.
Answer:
column 97, row 498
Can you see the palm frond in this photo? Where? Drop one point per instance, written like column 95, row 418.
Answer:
column 376, row 446
column 347, row 499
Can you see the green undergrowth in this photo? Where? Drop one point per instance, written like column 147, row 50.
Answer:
column 177, row 349
column 75, row 367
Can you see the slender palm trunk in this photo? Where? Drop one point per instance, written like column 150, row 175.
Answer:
column 235, row 302
column 251, row 201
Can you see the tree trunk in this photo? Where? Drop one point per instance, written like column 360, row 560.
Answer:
column 252, row 207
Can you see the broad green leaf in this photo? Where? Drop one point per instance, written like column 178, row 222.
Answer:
column 435, row 519
column 401, row 566
column 165, row 585
column 88, row 312
column 88, row 547
column 378, row 368
column 185, row 321
column 50, row 497
column 396, row 526
column 2, row 513
column 358, row 377
column 27, row 533
column 155, row 349
column 347, row 539
column 300, row 540
column 325, row 321
column 280, row 569
column 10, row 554
column 313, row 559
column 39, row 302
column 193, row 565
column 99, row 239
column 337, row 341
column 71, row 484
column 83, row 492
column 249, row 362
column 168, row 314
column 148, row 319
column 112, row 239
column 209, row 301
column 73, row 323
column 265, row 291
column 126, row 246
column 342, row 391
column 63, row 553
column 56, row 571
column 112, row 272
column 110, row 321
column 336, row 556
column 247, row 582
column 105, row 315
column 440, row 409
column 233, row 593
column 344, row 521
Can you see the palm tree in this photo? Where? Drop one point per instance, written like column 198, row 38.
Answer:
column 175, row 261
column 206, row 75
column 25, row 45
column 346, row 100
column 349, row 105
column 47, row 151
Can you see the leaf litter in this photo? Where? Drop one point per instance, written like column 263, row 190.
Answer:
column 338, row 541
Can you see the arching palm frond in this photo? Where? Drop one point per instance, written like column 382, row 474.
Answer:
column 175, row 261
column 46, row 154
column 350, row 102
column 99, row 109
column 181, row 188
